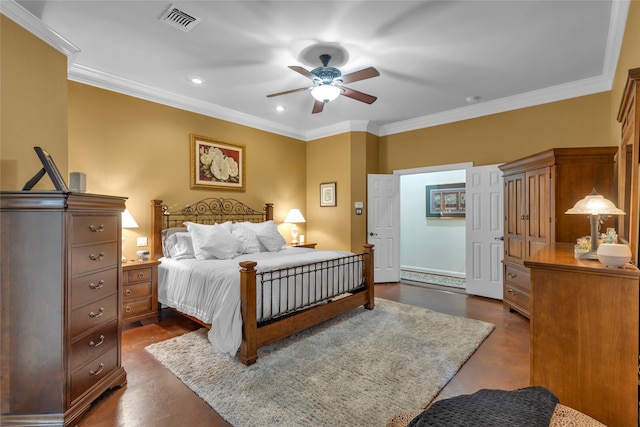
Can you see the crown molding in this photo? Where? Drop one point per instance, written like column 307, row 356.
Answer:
column 343, row 127
column 29, row 22
column 80, row 73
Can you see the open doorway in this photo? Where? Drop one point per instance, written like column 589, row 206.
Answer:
column 432, row 248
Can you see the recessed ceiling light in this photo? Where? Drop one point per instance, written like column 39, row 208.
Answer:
column 473, row 99
column 280, row 108
column 196, row 80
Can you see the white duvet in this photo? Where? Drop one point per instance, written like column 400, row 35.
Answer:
column 209, row 290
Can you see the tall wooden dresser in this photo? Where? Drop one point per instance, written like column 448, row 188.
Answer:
column 60, row 302
column 538, row 191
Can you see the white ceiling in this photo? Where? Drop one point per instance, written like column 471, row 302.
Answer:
column 431, row 55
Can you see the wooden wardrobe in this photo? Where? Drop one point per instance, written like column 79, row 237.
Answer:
column 60, row 304
column 629, row 118
column 538, row 190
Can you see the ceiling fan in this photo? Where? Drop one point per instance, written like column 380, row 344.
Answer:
column 328, row 84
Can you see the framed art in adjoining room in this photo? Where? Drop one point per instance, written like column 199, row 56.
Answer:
column 328, row 194
column 446, row 200
column 217, row 165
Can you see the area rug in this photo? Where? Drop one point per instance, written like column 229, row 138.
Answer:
column 357, row 369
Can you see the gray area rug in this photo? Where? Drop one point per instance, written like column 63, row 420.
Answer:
column 358, row 369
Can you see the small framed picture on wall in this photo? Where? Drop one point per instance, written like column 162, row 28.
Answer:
column 328, row 194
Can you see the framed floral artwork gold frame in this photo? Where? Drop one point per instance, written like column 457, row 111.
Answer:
column 217, row 165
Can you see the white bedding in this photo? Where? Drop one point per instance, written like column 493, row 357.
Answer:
column 209, row 290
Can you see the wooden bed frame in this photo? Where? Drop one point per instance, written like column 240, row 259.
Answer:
column 255, row 335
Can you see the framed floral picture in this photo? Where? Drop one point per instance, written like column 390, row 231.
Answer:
column 446, row 200
column 328, row 194
column 217, row 165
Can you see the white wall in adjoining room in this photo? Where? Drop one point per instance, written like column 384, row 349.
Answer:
column 430, row 245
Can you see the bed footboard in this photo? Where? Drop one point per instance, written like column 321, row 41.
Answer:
column 256, row 335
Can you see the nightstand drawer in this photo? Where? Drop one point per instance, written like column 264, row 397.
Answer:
column 93, row 257
column 138, row 275
column 94, row 286
column 94, row 314
column 83, row 378
column 94, row 344
column 134, row 308
column 87, row 229
column 137, row 290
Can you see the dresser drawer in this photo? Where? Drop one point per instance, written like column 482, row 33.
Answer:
column 138, row 275
column 90, row 228
column 94, row 344
column 93, row 257
column 83, row 378
column 134, row 308
column 94, row 314
column 137, row 290
column 94, row 286
column 517, row 296
column 519, row 277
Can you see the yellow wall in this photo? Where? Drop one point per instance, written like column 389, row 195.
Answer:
column 139, row 149
column 33, row 106
column 503, row 137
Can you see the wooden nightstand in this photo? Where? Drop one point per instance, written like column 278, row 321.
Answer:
column 140, row 291
column 304, row 245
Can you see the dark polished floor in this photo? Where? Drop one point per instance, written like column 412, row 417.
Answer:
column 155, row 397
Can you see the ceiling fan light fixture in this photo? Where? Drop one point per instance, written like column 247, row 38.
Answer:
column 325, row 93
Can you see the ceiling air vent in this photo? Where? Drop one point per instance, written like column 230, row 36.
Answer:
column 179, row 19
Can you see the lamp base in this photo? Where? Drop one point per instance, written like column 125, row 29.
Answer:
column 589, row 255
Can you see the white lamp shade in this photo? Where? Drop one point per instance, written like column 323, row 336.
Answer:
column 325, row 93
column 294, row 216
column 595, row 204
column 127, row 220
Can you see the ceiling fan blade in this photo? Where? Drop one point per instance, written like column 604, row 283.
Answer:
column 302, row 71
column 317, row 107
column 367, row 73
column 358, row 96
column 286, row 92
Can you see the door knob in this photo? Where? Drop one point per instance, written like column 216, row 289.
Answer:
column 499, row 238
column 373, row 234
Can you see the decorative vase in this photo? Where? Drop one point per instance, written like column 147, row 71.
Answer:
column 614, row 254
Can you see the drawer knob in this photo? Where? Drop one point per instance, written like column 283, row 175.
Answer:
column 511, row 275
column 511, row 291
column 98, row 257
column 98, row 314
column 100, row 285
column 99, row 343
column 128, row 292
column 127, row 309
column 100, row 369
column 98, row 229
column 140, row 275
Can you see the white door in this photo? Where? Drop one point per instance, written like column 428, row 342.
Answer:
column 484, row 222
column 383, row 225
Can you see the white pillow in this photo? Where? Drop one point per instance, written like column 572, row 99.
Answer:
column 249, row 238
column 180, row 246
column 268, row 235
column 213, row 241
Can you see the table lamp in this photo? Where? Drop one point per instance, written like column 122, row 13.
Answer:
column 294, row 217
column 594, row 205
column 127, row 222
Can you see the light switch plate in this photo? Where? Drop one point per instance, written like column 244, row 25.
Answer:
column 142, row 242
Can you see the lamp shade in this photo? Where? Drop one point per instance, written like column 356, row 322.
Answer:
column 294, row 216
column 127, row 220
column 325, row 93
column 595, row 204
